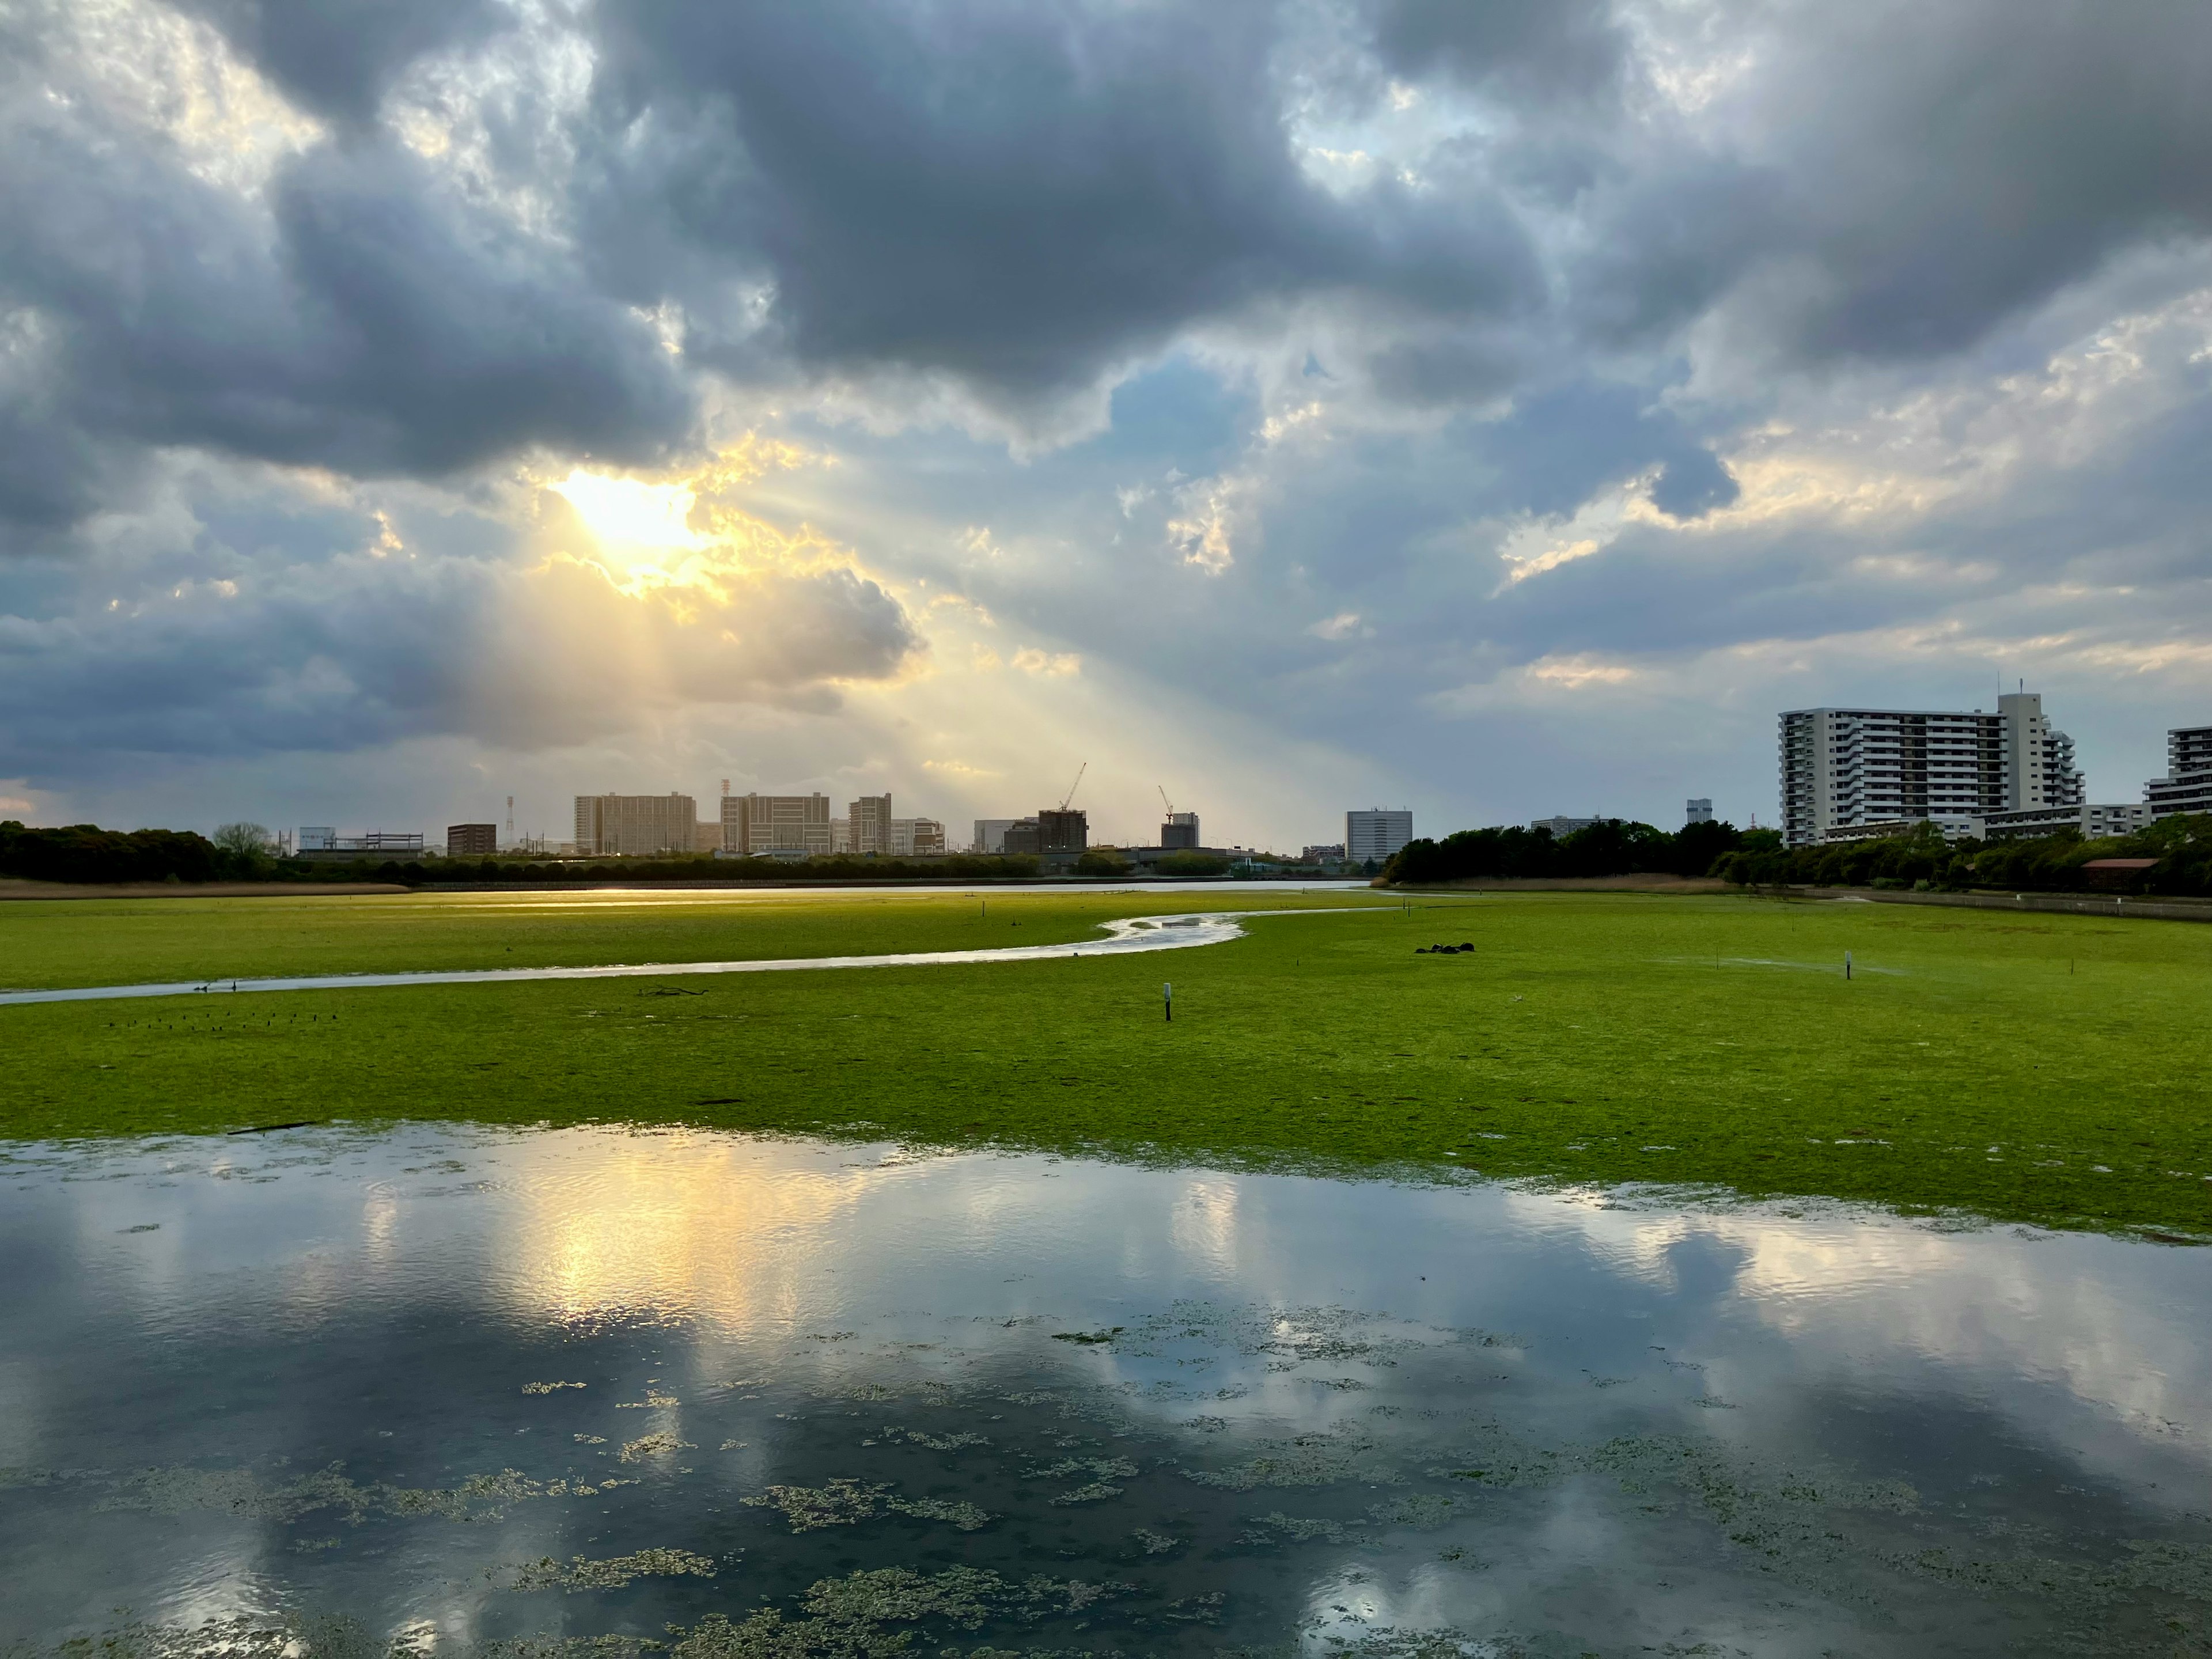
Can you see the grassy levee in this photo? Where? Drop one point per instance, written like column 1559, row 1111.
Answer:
column 2046, row 1068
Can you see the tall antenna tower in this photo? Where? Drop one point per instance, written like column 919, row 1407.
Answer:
column 510, row 820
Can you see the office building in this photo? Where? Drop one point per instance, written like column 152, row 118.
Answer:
column 1562, row 828
column 1180, row 833
column 1022, row 836
column 916, row 838
column 471, row 841
column 1700, row 810
column 991, row 835
column 2187, row 785
column 318, row 838
column 776, row 826
column 635, row 826
column 1377, row 833
column 1844, row 767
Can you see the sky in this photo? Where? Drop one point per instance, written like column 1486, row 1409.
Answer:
column 1497, row 407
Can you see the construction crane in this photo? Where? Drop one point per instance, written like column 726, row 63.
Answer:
column 1164, row 801
column 1077, row 785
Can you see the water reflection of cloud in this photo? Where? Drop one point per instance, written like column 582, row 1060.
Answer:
column 1852, row 1291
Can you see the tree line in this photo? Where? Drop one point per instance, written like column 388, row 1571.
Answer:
column 2179, row 848
column 1611, row 846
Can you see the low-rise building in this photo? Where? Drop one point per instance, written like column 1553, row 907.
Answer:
column 1331, row 853
column 2094, row 821
column 1953, row 828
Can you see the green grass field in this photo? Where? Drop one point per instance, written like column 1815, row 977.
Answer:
column 2045, row 1068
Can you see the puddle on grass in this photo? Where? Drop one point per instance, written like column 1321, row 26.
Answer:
column 468, row 1390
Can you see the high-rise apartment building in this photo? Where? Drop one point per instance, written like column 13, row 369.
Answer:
column 776, row 826
column 1700, row 810
column 1842, row 767
column 870, row 818
column 1376, row 833
column 1179, row 832
column 635, row 825
column 2187, row 785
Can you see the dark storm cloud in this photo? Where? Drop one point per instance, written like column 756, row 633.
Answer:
column 337, row 56
column 367, row 320
column 1534, row 46
column 1893, row 180
column 1016, row 194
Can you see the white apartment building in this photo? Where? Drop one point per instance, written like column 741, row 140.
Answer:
column 2187, row 785
column 1562, row 828
column 635, row 825
column 1376, row 833
column 1844, row 767
column 776, row 826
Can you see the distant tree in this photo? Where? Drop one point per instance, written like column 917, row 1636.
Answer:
column 245, row 841
column 1102, row 861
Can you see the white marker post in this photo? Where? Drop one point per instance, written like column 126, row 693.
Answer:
column 1847, row 964
column 1167, row 1001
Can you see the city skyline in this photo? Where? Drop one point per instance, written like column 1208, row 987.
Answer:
column 1367, row 400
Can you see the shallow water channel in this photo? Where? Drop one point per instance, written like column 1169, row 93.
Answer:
column 464, row 1387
